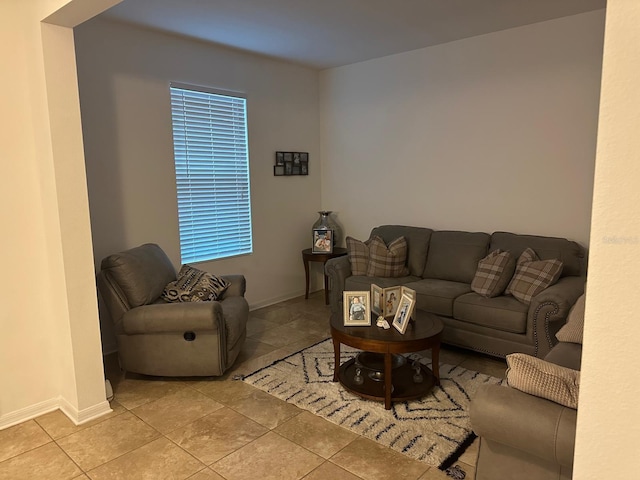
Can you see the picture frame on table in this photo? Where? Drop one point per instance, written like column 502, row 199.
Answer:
column 412, row 294
column 391, row 300
column 403, row 313
column 357, row 309
column 322, row 241
column 377, row 299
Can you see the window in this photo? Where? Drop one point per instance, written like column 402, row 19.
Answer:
column 212, row 173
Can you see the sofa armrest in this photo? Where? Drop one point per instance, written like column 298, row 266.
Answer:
column 173, row 318
column 531, row 424
column 548, row 311
column 238, row 286
column 337, row 269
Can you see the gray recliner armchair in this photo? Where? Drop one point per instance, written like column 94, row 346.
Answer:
column 156, row 337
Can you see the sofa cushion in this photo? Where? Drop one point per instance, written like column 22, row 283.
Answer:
column 194, row 285
column 500, row 313
column 572, row 330
column 387, row 261
column 358, row 253
column 417, row 243
column 141, row 272
column 566, row 354
column 454, row 256
column 493, row 274
column 571, row 254
column 543, row 379
column 533, row 276
column 437, row 296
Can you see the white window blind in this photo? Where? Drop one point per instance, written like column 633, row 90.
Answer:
column 212, row 173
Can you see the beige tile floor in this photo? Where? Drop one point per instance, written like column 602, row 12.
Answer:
column 217, row 428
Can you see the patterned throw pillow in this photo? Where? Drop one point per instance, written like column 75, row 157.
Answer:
column 533, row 276
column 358, row 253
column 193, row 285
column 493, row 273
column 572, row 330
column 387, row 261
column 543, row 379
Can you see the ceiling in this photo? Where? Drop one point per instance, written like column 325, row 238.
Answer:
column 330, row 33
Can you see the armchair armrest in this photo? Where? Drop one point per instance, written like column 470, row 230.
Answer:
column 337, row 269
column 173, row 317
column 548, row 311
column 531, row 424
column 238, row 286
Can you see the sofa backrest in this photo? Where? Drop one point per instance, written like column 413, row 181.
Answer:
column 417, row 243
column 569, row 252
column 140, row 273
column 454, row 255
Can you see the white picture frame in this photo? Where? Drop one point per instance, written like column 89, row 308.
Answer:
column 357, row 309
column 403, row 313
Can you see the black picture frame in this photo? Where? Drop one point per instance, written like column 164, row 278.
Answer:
column 291, row 164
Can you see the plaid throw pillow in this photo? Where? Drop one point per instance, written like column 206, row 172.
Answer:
column 387, row 261
column 193, row 285
column 493, row 273
column 572, row 330
column 533, row 276
column 543, row 379
column 358, row 253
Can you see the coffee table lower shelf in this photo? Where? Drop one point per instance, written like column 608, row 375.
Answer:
column 404, row 388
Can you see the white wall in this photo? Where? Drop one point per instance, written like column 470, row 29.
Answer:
column 495, row 132
column 608, row 414
column 124, row 74
column 50, row 353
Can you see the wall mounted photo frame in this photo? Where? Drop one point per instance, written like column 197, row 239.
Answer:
column 322, row 241
column 293, row 163
column 403, row 313
column 357, row 309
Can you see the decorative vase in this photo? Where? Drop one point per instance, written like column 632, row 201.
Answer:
column 326, row 222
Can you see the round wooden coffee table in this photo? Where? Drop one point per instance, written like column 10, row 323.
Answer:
column 395, row 381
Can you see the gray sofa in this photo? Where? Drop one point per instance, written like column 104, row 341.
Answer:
column 441, row 267
column 523, row 436
column 156, row 337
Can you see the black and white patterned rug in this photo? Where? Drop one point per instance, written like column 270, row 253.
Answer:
column 434, row 429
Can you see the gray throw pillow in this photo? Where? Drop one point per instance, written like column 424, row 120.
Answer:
column 358, row 253
column 193, row 285
column 493, row 273
column 387, row 260
column 572, row 330
column 543, row 379
column 533, row 276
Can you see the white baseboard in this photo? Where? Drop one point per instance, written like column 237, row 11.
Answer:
column 82, row 416
column 78, row 417
column 273, row 301
column 27, row 413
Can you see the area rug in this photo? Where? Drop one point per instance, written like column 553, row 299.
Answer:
column 435, row 429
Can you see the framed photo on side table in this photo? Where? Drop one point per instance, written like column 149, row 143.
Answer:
column 405, row 309
column 357, row 309
column 322, row 241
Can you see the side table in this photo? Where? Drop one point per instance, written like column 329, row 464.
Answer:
column 308, row 256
